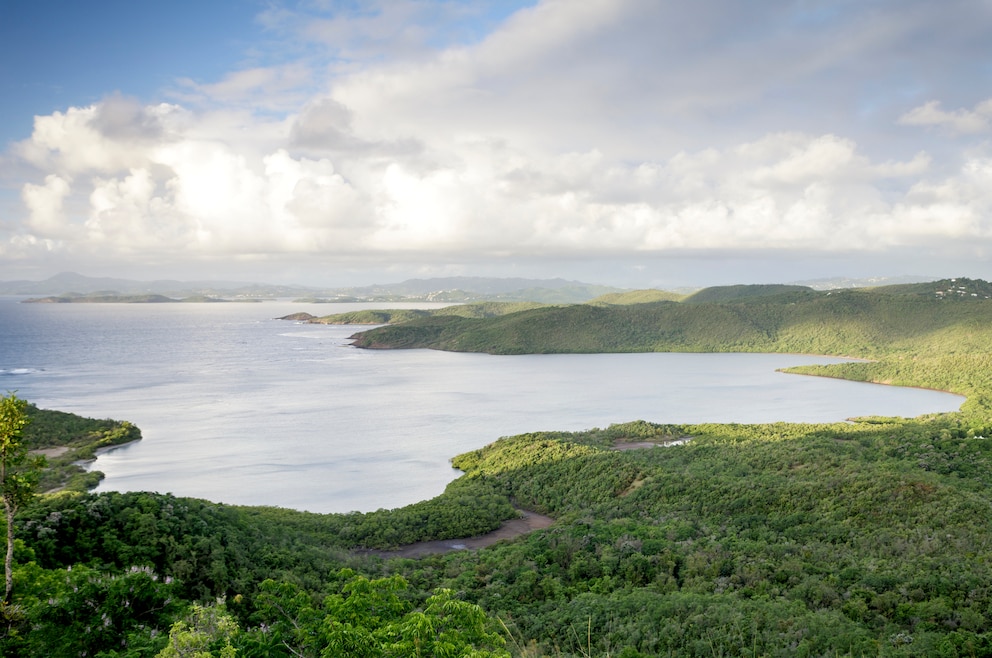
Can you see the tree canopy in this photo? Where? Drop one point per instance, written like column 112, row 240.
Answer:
column 863, row 538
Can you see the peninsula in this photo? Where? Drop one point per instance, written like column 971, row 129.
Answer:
column 864, row 538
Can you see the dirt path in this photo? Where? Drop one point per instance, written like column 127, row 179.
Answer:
column 527, row 522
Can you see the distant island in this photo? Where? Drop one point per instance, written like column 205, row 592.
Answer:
column 746, row 318
column 70, row 298
column 445, row 289
column 453, row 290
column 860, row 538
column 935, row 334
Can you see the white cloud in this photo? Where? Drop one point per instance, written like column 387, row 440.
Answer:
column 72, row 142
column 182, row 193
column 959, row 122
column 958, row 207
column 620, row 127
column 313, row 205
column 273, row 88
column 46, row 214
column 123, row 209
column 185, row 192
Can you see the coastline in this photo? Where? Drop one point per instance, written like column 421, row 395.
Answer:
column 787, row 371
column 528, row 521
column 101, row 451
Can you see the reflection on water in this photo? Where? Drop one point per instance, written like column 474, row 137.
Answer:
column 237, row 407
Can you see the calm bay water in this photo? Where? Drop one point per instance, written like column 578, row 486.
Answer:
column 237, row 407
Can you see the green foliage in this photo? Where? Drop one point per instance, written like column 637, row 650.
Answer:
column 576, row 294
column 913, row 338
column 18, row 475
column 744, row 293
column 660, row 326
column 782, row 539
column 68, row 439
column 856, row 322
column 636, row 297
column 861, row 538
column 370, row 618
column 206, row 632
column 372, row 316
column 466, row 509
column 397, row 316
column 948, row 289
column 82, row 611
column 487, row 309
column 216, row 550
column 103, row 299
column 19, row 472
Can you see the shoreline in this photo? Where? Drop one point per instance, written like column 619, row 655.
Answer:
column 785, row 371
column 527, row 522
column 85, row 463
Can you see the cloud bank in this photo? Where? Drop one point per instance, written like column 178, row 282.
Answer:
column 620, row 129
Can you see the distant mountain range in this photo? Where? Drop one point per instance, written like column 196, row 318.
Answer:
column 70, row 282
column 441, row 289
column 447, row 289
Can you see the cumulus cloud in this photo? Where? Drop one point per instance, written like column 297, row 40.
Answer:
column 960, row 122
column 98, row 138
column 183, row 192
column 46, row 218
column 568, row 129
column 175, row 190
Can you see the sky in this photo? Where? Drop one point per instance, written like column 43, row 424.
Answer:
column 635, row 143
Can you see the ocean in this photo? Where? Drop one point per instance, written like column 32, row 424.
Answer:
column 238, row 407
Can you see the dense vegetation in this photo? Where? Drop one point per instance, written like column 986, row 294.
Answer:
column 747, row 293
column 936, row 335
column 865, row 538
column 394, row 316
column 636, row 297
column 68, row 441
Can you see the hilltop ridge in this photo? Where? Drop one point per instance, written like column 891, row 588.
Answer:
column 882, row 324
column 72, row 287
column 866, row 537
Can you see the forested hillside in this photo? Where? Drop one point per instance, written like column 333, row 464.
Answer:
column 916, row 335
column 394, row 316
column 865, row 322
column 864, row 538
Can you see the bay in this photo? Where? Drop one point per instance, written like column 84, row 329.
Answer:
column 238, row 407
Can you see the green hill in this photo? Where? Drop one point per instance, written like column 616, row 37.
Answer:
column 743, row 293
column 850, row 322
column 912, row 337
column 636, row 297
column 394, row 316
column 944, row 289
column 71, row 298
column 863, row 538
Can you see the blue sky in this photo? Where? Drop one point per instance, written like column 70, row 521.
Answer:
column 61, row 53
column 631, row 142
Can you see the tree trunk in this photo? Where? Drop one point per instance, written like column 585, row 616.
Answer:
column 8, row 563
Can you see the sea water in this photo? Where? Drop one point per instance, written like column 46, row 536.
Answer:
column 238, row 407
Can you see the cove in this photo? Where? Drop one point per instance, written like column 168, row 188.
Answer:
column 237, row 407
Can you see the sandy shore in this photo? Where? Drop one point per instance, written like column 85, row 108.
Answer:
column 51, row 452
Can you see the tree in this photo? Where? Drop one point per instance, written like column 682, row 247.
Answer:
column 18, row 473
column 372, row 619
column 446, row 627
column 206, row 633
